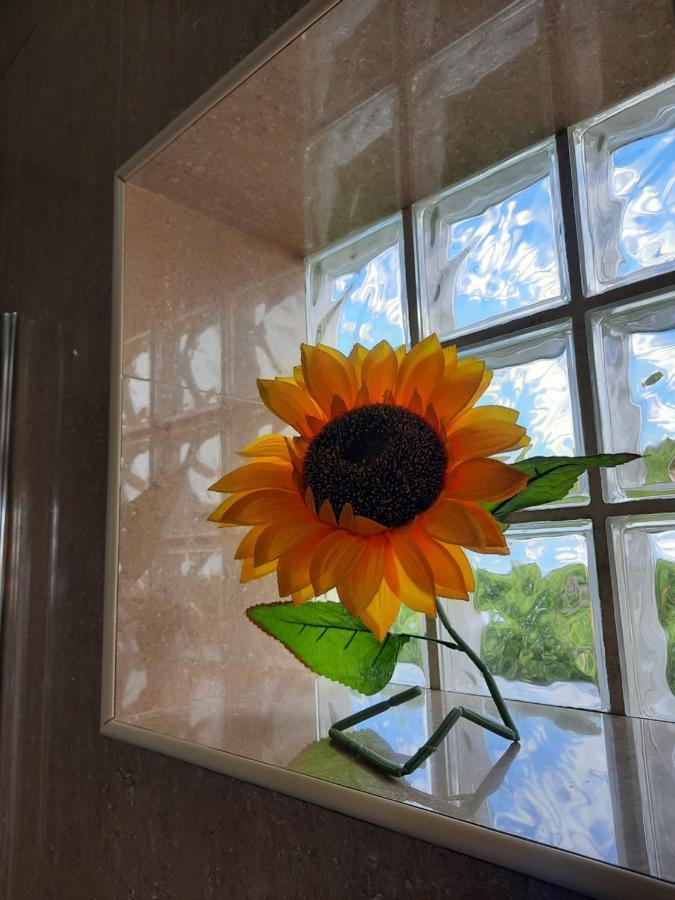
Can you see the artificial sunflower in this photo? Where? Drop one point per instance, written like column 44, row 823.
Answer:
column 382, row 487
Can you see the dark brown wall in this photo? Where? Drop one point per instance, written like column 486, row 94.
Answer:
column 85, row 83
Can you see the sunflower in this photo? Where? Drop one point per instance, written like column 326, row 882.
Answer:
column 382, row 486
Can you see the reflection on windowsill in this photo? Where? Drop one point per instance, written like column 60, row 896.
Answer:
column 581, row 781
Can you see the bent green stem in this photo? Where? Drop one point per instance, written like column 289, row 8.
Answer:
column 506, row 728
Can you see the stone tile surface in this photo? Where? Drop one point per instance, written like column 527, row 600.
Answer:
column 393, row 100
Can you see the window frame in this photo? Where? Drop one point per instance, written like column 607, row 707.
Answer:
column 578, row 309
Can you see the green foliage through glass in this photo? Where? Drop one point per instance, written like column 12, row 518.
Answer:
column 540, row 627
column 664, row 584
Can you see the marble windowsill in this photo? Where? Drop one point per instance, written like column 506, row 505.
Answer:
column 591, row 784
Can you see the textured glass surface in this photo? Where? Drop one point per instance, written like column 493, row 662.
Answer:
column 555, row 786
column 644, row 559
column 655, row 744
column 356, row 290
column 634, row 350
column 625, row 166
column 491, row 249
column 532, row 619
column 534, row 373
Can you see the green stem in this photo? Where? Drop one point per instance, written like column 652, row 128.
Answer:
column 483, row 669
column 506, row 728
column 424, row 637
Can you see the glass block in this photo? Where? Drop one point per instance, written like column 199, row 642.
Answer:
column 356, row 290
column 644, row 570
column 534, row 619
column 625, row 186
column 534, row 373
column 491, row 249
column 634, row 349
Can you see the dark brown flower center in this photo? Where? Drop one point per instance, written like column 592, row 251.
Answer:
column 384, row 460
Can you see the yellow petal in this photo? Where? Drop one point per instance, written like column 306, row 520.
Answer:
column 280, row 537
column 359, row 589
column 460, row 558
column 293, row 565
column 465, row 524
column 356, row 357
column 249, row 572
column 415, row 578
column 450, row 358
column 302, row 596
column 265, row 506
column 338, row 407
column 484, row 431
column 448, row 575
column 296, row 448
column 420, row 371
column 345, row 361
column 298, row 376
column 381, row 612
column 333, row 559
column 292, row 404
column 358, row 524
column 493, row 536
column 275, row 474
column 362, row 397
column 326, row 513
column 247, row 544
column 431, row 418
column 366, row 527
column 379, row 371
column 267, row 445
column 459, row 388
column 219, row 514
column 484, row 480
column 309, row 501
column 448, row 521
column 347, row 517
column 326, row 377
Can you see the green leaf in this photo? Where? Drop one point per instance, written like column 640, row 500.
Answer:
column 552, row 477
column 331, row 642
column 653, row 378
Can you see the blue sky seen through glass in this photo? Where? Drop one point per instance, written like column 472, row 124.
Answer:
column 550, row 552
column 643, row 180
column 652, row 384
column 540, row 391
column 506, row 256
column 370, row 299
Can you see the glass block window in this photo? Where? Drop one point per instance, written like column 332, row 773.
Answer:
column 634, row 349
column 644, row 557
column 356, row 290
column 625, row 169
column 491, row 249
column 491, row 276
column 534, row 619
column 534, row 373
